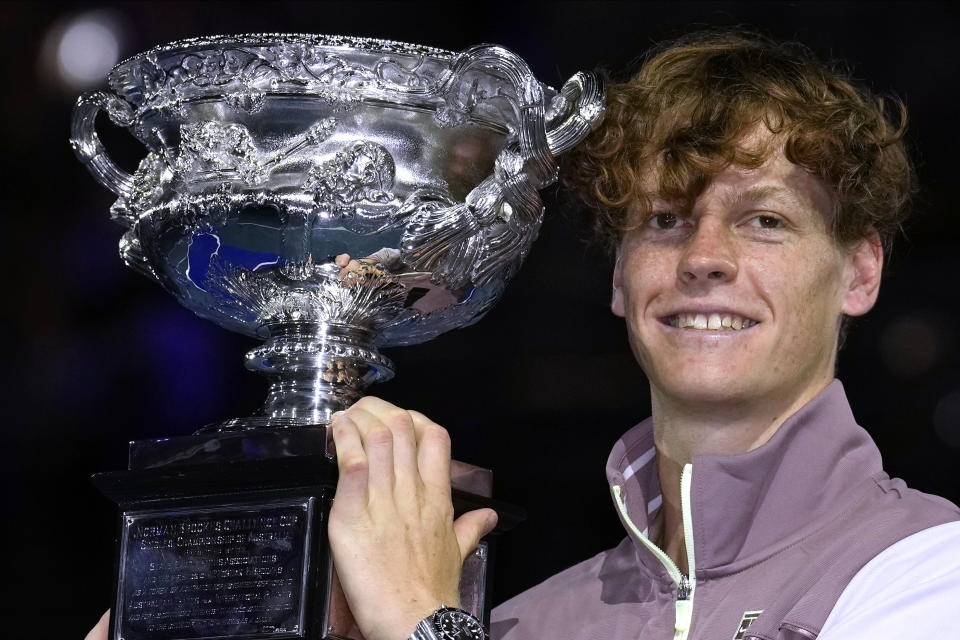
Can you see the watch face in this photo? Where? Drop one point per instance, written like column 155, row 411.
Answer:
column 454, row 624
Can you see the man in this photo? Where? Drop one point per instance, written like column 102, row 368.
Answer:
column 749, row 193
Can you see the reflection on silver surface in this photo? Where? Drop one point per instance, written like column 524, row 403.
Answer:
column 270, row 155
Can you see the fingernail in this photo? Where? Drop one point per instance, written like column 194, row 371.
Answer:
column 335, row 415
column 492, row 519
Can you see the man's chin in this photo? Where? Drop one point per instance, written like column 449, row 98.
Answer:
column 702, row 388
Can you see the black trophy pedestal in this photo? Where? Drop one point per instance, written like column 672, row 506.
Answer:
column 224, row 535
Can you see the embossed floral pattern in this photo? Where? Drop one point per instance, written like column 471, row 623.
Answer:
column 245, row 71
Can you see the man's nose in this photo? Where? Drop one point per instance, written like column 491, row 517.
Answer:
column 709, row 254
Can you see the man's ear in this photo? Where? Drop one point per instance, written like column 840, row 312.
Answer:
column 862, row 283
column 616, row 299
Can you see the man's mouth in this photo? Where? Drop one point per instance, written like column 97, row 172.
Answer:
column 709, row 321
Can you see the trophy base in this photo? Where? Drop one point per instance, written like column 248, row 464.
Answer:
column 258, row 422
column 224, row 534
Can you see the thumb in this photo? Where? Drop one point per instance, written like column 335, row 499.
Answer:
column 99, row 632
column 472, row 526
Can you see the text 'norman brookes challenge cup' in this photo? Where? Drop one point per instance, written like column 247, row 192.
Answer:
column 268, row 157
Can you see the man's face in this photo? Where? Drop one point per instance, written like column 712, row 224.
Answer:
column 740, row 297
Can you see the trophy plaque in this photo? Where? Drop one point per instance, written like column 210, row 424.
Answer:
column 331, row 196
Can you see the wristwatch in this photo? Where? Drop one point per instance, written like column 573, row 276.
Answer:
column 447, row 623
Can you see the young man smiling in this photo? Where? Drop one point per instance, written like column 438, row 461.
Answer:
column 749, row 193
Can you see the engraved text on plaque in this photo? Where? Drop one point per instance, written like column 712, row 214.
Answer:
column 223, row 571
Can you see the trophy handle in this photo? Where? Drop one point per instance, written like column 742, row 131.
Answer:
column 575, row 112
column 86, row 143
column 487, row 236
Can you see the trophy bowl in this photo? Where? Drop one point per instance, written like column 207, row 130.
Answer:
column 269, row 155
column 330, row 196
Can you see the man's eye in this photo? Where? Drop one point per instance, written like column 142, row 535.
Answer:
column 768, row 222
column 664, row 220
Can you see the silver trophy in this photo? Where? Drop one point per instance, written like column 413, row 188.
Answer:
column 331, row 196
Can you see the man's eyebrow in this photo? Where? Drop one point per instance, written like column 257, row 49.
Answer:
column 763, row 191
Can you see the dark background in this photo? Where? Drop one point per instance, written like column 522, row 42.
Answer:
column 538, row 391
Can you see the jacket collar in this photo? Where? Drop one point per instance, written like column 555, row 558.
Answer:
column 748, row 506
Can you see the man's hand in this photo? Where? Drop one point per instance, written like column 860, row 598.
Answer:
column 397, row 549
column 352, row 270
column 99, row 631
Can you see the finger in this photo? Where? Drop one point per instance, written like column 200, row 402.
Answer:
column 376, row 406
column 472, row 526
column 99, row 631
column 405, row 467
column 433, row 453
column 351, row 461
column 342, row 260
column 378, row 445
column 401, row 425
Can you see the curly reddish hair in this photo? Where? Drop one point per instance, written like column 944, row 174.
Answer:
column 683, row 118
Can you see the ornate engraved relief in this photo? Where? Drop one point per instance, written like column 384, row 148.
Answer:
column 307, row 292
column 149, row 186
column 357, row 181
column 354, row 185
column 245, row 68
column 217, row 151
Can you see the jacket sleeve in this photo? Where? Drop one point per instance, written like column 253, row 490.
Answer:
column 909, row 591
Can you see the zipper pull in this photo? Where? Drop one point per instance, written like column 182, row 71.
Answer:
column 684, row 608
column 684, row 615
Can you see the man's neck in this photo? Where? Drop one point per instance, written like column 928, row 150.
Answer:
column 682, row 432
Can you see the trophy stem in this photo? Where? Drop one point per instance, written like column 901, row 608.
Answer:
column 315, row 369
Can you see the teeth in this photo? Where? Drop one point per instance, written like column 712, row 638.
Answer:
column 711, row 322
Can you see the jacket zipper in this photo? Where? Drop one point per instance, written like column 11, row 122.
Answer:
column 686, row 585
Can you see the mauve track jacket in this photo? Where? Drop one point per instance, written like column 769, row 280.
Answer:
column 773, row 537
